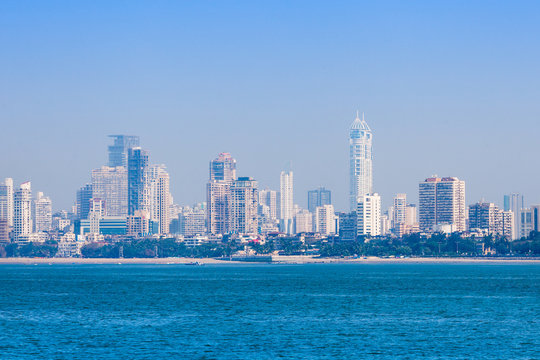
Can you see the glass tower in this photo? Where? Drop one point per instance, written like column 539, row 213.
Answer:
column 118, row 152
column 137, row 174
column 318, row 197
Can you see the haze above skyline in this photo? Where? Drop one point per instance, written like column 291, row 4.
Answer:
column 447, row 88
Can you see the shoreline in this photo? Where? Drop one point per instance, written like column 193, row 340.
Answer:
column 275, row 260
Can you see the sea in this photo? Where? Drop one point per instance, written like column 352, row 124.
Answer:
column 311, row 311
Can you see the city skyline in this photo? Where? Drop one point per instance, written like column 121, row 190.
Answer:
column 239, row 179
column 301, row 200
column 132, row 196
column 268, row 96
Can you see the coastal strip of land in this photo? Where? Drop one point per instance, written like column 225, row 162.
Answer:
column 280, row 259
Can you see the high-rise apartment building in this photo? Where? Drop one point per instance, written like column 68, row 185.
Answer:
column 526, row 222
column 158, row 196
column 137, row 179
column 325, row 220
column 386, row 225
column 318, row 197
column 489, row 218
column 303, row 222
column 96, row 213
column 4, row 231
column 368, row 214
column 400, row 208
column 347, row 226
column 218, row 193
column 514, row 202
column 508, row 224
column 402, row 216
column 138, row 224
column 84, row 194
column 286, row 184
column 192, row 221
column 218, row 199
column 110, row 184
column 360, row 160
column 42, row 213
column 244, row 206
column 270, row 198
column 442, row 202
column 6, row 201
column 22, row 210
column 118, row 152
column 535, row 214
column 411, row 215
column 223, row 168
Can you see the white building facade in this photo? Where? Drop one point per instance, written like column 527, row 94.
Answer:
column 6, row 201
column 42, row 213
column 368, row 214
column 286, row 182
column 325, row 220
column 360, row 160
column 22, row 214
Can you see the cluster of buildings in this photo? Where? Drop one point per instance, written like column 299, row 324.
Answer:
column 130, row 197
column 22, row 216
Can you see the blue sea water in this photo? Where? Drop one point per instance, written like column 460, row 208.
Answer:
column 363, row 311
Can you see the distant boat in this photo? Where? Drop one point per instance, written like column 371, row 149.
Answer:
column 196, row 263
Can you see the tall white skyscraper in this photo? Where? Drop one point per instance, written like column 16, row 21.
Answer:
column 110, row 184
column 22, row 214
column 360, row 160
column 286, row 202
column 368, row 213
column 6, row 201
column 42, row 213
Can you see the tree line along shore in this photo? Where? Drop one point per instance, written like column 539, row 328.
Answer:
column 414, row 245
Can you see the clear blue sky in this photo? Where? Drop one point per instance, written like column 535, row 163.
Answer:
column 448, row 87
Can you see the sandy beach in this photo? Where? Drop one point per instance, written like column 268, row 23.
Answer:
column 275, row 260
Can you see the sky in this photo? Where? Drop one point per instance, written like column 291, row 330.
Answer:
column 448, row 87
